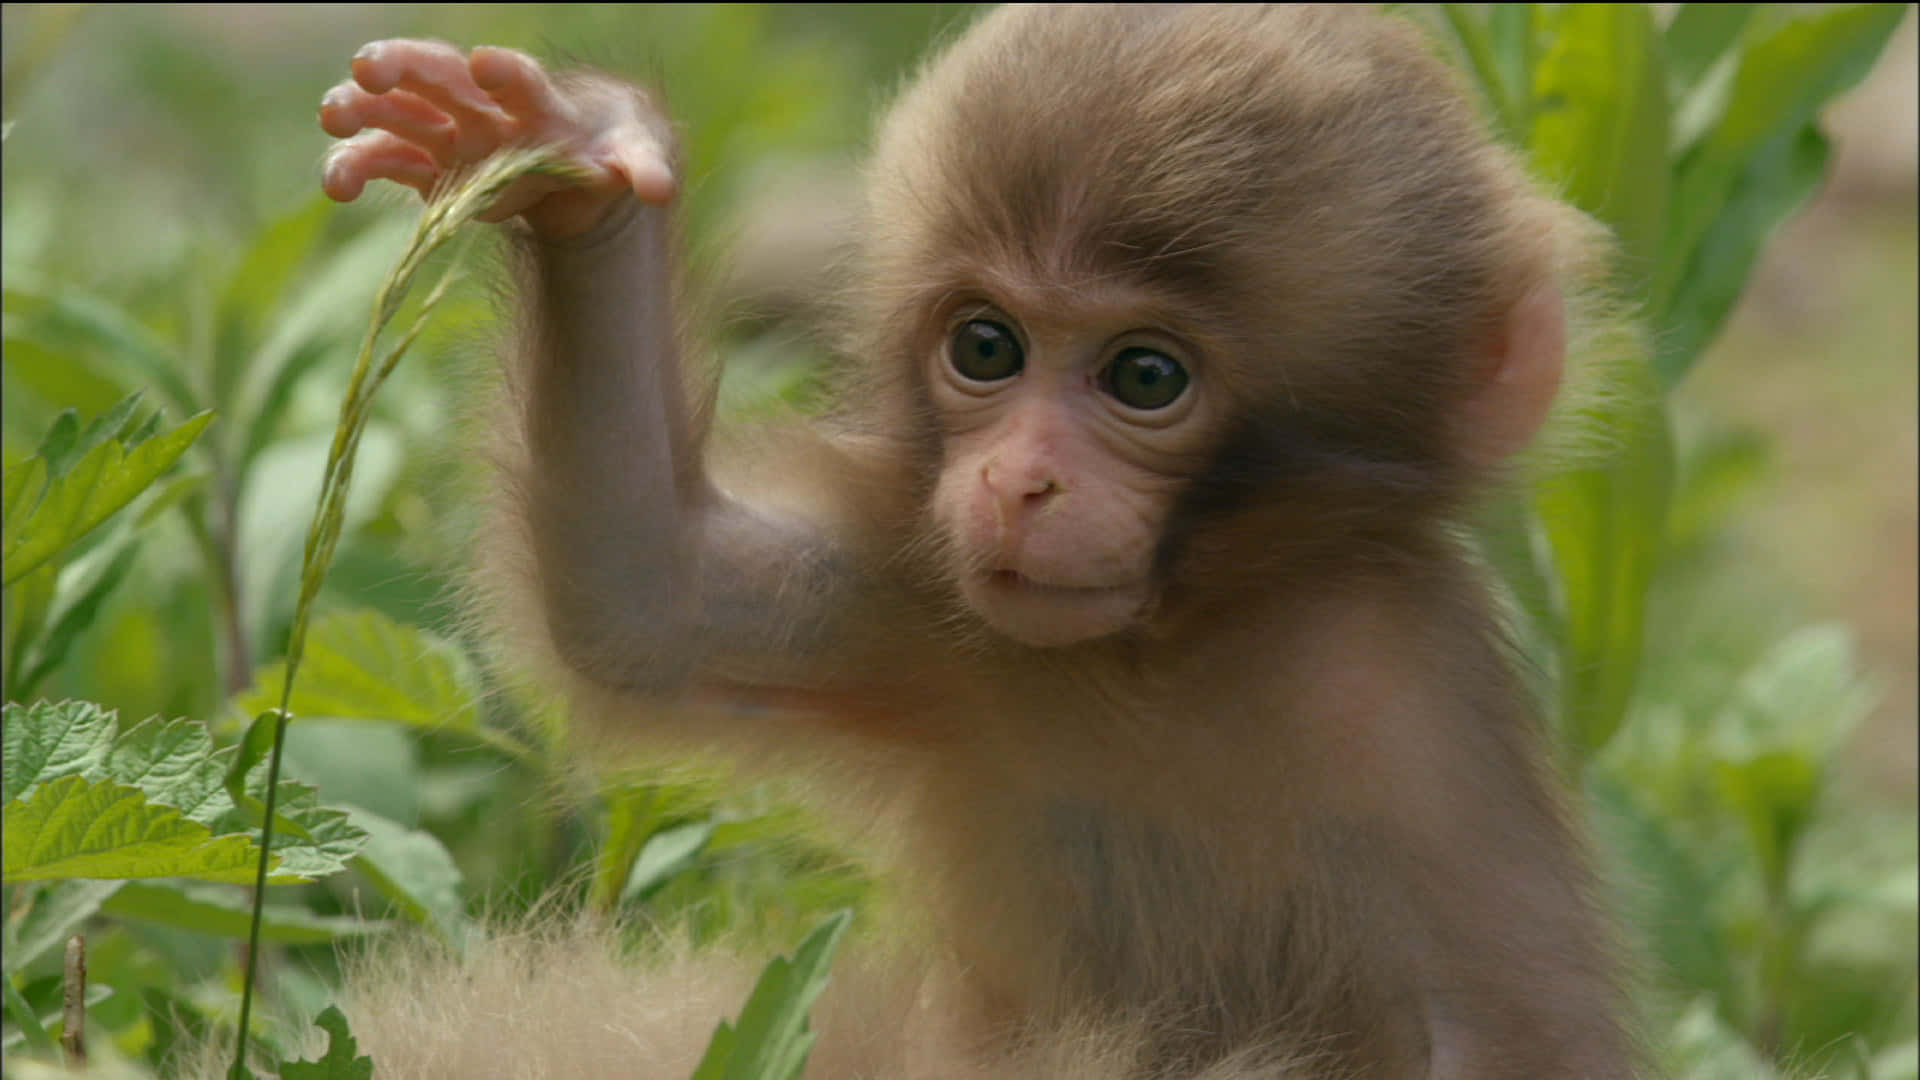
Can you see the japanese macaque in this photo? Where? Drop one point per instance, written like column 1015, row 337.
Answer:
column 1125, row 582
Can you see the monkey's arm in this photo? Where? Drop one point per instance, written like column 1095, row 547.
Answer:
column 646, row 576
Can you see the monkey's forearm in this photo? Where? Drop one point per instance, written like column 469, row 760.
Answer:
column 647, row 574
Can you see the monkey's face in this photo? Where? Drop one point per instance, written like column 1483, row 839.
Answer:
column 1064, row 442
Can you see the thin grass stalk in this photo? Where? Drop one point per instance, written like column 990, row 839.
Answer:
column 455, row 202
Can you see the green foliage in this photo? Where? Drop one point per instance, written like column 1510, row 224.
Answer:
column 159, row 567
column 771, row 1039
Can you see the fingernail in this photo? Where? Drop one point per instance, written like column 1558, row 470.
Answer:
column 369, row 51
column 334, row 98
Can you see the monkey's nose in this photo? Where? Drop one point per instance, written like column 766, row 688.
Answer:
column 1017, row 492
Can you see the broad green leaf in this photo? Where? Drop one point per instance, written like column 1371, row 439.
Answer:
column 76, row 828
column 629, row 819
column 309, row 839
column 1698, row 37
column 49, row 740
column 1600, row 122
column 174, row 762
column 364, row 666
column 1778, row 178
column 1804, row 694
column 1759, row 151
column 222, row 911
column 32, row 1031
column 1477, row 46
column 103, row 481
column 411, row 868
column 342, row 1061
column 771, row 1039
column 1606, row 524
column 1511, row 29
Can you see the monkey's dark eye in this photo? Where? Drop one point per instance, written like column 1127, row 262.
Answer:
column 984, row 351
column 1145, row 379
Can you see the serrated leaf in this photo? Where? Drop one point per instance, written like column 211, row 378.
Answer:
column 49, row 740
column 411, row 868
column 174, row 762
column 310, row 840
column 59, row 444
column 101, row 482
column 28, row 602
column 114, row 424
column 771, row 1040
column 365, row 666
column 212, row 909
column 78, row 828
column 342, row 1061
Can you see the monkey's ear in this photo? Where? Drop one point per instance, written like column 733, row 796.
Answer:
column 1517, row 378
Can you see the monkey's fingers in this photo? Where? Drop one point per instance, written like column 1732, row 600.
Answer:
column 437, row 72
column 347, row 110
column 624, row 147
column 375, row 155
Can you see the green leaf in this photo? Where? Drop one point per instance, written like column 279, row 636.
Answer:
column 28, row 601
column 666, row 853
column 219, row 910
column 1775, row 794
column 1754, row 163
column 259, row 282
column 60, row 442
column 364, row 666
column 342, row 1061
column 411, row 868
column 59, row 909
column 101, row 482
column 64, row 319
column 49, row 740
column 1697, row 38
column 1780, row 177
column 1600, row 122
column 174, row 762
column 26, row 485
column 310, row 840
column 771, row 1040
column 79, row 607
column 77, row 828
column 1606, row 524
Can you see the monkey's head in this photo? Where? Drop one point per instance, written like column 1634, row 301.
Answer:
column 1236, row 284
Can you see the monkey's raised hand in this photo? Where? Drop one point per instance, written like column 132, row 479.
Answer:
column 415, row 109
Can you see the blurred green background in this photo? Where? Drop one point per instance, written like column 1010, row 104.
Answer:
column 159, row 158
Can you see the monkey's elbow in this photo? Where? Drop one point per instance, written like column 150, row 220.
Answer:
column 648, row 647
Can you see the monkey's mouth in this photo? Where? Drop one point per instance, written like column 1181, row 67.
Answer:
column 1045, row 613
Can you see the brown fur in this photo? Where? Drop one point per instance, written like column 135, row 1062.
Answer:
column 1297, row 821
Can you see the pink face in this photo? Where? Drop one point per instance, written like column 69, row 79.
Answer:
column 1063, row 444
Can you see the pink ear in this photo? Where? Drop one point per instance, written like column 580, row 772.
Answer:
column 1516, row 384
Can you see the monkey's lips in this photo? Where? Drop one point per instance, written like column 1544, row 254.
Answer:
column 1044, row 613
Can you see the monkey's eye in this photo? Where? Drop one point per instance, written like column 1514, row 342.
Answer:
column 983, row 351
column 1144, row 379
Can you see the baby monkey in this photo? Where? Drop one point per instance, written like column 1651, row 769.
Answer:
column 1124, row 580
